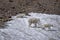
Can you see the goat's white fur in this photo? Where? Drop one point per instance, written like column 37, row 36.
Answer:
column 34, row 21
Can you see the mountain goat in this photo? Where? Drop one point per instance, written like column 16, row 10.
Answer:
column 48, row 26
column 20, row 15
column 35, row 21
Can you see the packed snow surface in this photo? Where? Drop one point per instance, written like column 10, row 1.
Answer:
column 18, row 28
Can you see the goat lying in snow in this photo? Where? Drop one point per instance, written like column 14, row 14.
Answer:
column 48, row 26
column 20, row 15
column 35, row 21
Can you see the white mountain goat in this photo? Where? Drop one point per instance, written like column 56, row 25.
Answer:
column 48, row 26
column 35, row 21
column 21, row 15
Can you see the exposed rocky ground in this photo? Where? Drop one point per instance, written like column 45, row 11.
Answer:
column 9, row 8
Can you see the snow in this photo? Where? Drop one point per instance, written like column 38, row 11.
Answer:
column 18, row 28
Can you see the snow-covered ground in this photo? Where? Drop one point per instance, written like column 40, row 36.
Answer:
column 18, row 28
